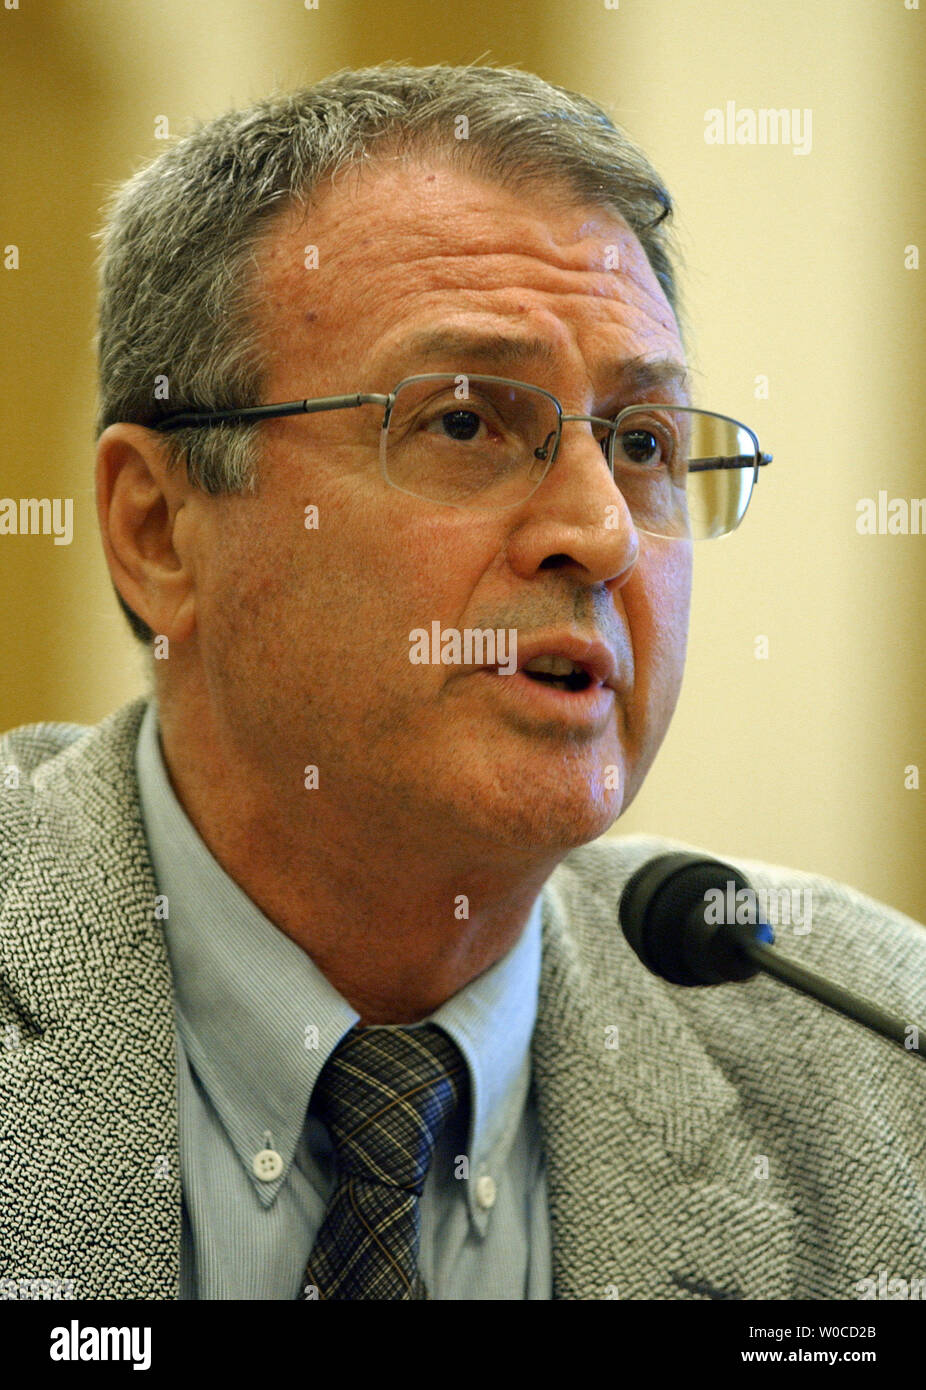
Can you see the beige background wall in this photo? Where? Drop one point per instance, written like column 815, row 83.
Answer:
column 793, row 270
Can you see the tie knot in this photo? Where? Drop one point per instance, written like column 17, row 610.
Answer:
column 385, row 1094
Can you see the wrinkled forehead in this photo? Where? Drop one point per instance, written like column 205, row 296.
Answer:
column 381, row 249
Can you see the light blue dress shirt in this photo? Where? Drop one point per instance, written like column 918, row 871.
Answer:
column 256, row 1022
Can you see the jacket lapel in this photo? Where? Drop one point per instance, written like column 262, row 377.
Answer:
column 656, row 1183
column 91, row 1075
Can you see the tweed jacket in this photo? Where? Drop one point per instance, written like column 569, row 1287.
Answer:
column 732, row 1141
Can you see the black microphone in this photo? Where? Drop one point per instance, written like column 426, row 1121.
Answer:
column 664, row 914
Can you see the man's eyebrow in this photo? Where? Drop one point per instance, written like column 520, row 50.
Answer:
column 490, row 347
column 643, row 374
column 636, row 374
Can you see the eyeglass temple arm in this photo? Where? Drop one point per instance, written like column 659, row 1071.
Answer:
column 740, row 461
column 208, row 418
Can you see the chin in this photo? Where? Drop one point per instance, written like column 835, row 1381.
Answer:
column 555, row 826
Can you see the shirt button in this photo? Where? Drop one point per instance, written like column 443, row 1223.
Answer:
column 267, row 1165
column 485, row 1191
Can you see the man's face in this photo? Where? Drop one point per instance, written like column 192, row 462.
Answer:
column 304, row 634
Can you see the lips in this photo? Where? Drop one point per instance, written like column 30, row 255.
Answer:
column 557, row 671
column 590, row 661
column 579, row 705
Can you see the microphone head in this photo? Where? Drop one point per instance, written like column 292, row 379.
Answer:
column 677, row 930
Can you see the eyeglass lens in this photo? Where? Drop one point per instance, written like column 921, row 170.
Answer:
column 477, row 442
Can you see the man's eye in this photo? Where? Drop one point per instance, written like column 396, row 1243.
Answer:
column 640, row 446
column 462, row 424
column 458, row 424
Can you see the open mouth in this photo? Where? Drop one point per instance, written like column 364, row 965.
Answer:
column 564, row 675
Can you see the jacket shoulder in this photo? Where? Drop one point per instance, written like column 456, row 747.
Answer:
column 23, row 752
column 24, row 749
column 865, row 945
column 595, row 875
column 40, row 761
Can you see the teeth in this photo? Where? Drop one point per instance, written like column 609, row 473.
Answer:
column 552, row 665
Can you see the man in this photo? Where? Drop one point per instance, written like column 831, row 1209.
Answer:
column 312, row 974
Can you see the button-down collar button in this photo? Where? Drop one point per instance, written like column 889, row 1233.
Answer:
column 485, row 1191
column 267, row 1165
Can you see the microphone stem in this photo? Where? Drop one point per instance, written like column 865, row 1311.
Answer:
column 910, row 1036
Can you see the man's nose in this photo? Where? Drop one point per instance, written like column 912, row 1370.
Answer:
column 577, row 517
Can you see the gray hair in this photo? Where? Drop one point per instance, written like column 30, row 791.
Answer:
column 180, row 240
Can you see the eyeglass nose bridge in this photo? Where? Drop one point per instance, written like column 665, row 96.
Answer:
column 557, row 434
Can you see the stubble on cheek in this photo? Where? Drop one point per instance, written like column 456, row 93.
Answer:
column 657, row 603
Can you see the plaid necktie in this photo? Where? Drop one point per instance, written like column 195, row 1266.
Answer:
column 384, row 1094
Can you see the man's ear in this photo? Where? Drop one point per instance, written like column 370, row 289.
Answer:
column 138, row 504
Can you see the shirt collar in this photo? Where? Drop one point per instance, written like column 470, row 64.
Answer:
column 258, row 1019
